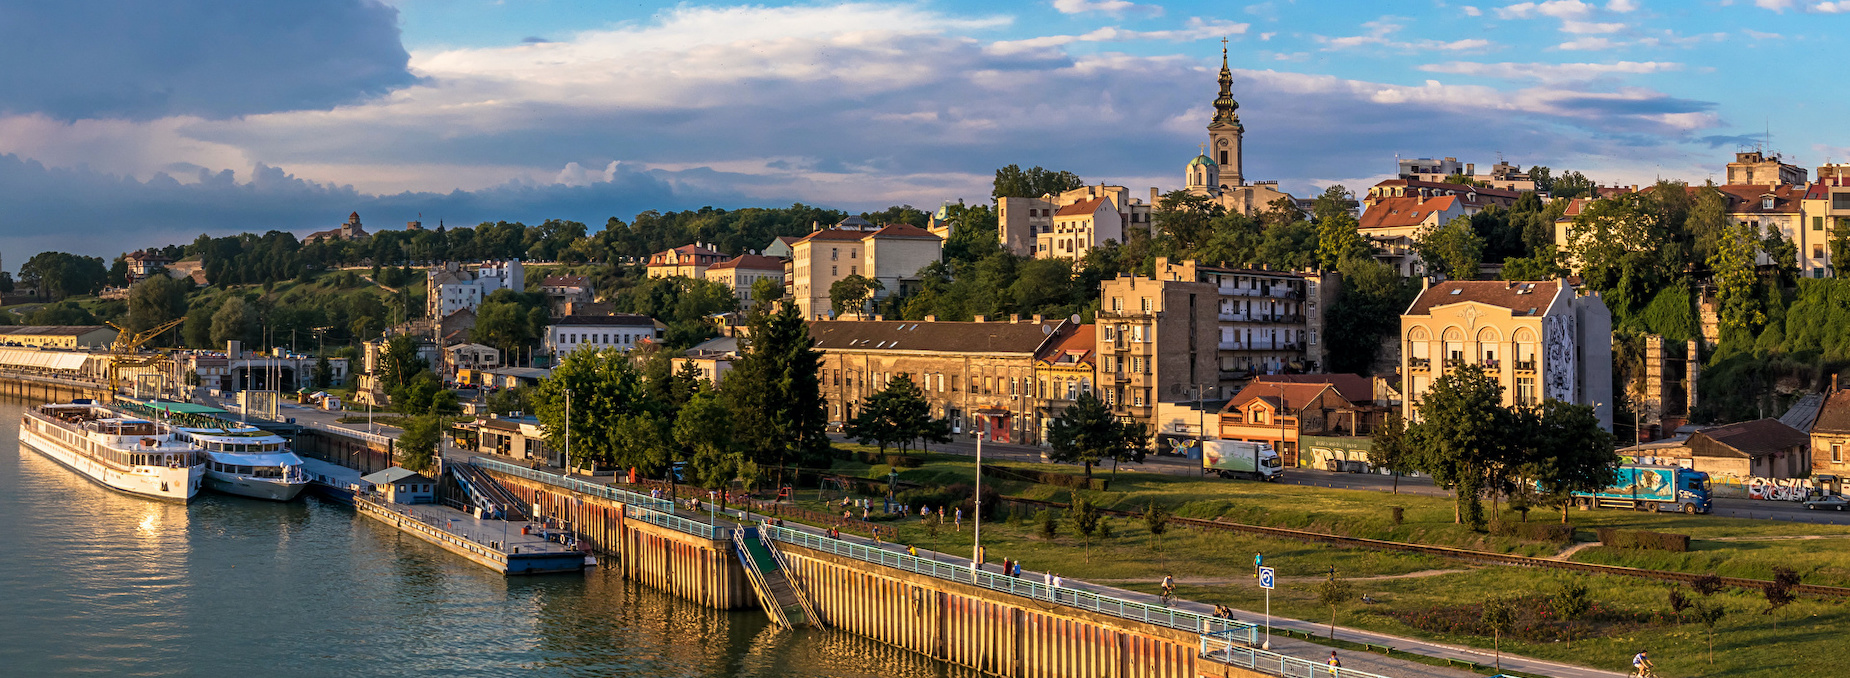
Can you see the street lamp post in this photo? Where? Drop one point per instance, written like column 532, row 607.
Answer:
column 566, row 457
column 976, row 547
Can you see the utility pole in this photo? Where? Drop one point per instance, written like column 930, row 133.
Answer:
column 976, row 549
column 566, row 458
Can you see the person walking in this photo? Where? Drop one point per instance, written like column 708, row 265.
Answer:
column 1017, row 569
column 1334, row 662
column 960, row 519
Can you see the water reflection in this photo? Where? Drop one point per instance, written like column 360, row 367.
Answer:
column 99, row 582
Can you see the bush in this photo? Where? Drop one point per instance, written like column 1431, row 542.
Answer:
column 893, row 460
column 1054, row 478
column 1543, row 532
column 1640, row 539
column 1050, row 524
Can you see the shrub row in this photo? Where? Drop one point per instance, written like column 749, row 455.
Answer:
column 1640, row 539
column 893, row 460
column 1548, row 532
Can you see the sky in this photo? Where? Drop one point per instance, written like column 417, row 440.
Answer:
column 126, row 124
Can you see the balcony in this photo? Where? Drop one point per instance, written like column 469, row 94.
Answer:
column 1491, row 364
column 1419, row 364
column 1525, row 366
column 1232, row 346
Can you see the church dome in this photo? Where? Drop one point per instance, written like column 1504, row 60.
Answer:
column 1202, row 160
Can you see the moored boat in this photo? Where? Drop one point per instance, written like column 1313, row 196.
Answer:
column 123, row 453
column 246, row 461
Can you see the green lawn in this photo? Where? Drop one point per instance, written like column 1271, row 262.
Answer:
column 1428, row 520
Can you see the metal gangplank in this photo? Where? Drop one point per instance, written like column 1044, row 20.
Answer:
column 777, row 593
column 487, row 494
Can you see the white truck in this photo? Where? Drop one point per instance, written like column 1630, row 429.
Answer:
column 1236, row 459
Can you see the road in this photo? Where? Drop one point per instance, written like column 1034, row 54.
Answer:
column 1728, row 507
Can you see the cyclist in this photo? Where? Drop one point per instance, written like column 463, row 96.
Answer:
column 1641, row 664
column 1169, row 588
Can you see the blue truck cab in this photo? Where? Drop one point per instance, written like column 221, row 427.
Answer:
column 1643, row 487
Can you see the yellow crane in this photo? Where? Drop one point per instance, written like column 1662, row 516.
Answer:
column 126, row 351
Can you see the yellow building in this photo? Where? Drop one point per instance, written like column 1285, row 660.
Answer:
column 58, row 336
column 1538, row 339
column 687, row 261
column 1063, row 370
column 891, row 254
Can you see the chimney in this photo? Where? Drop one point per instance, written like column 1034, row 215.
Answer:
column 1833, row 382
column 1037, row 318
column 978, row 319
column 931, row 318
column 1014, row 318
column 879, row 318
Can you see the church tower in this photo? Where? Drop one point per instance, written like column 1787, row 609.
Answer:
column 1225, row 131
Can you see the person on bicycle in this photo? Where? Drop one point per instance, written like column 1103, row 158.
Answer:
column 1641, row 663
column 1169, row 588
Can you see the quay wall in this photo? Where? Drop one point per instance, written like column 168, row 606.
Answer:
column 50, row 389
column 695, row 568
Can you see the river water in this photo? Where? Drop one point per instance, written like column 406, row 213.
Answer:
column 100, row 583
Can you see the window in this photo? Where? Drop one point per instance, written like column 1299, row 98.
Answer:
column 1817, row 223
column 1313, row 337
column 1837, row 453
column 1525, row 390
column 1146, row 304
column 834, row 253
column 1840, row 201
column 1817, row 251
column 853, row 269
column 1117, row 303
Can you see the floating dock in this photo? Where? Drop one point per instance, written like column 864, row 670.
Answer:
column 506, row 546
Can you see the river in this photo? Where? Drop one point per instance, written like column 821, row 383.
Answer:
column 101, row 583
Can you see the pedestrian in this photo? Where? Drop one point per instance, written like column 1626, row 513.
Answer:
column 1017, row 569
column 847, row 514
column 876, row 534
column 1047, row 578
column 960, row 519
column 1005, row 566
column 912, row 551
column 1334, row 662
column 1059, row 581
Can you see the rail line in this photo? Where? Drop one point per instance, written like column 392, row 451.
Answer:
column 1467, row 554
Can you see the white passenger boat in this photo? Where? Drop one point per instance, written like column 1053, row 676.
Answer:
column 246, row 461
column 117, row 451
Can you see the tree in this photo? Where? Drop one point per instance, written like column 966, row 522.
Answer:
column 1334, row 593
column 417, row 445
column 509, row 321
column 1779, row 591
column 1707, row 584
column 233, row 320
column 1571, row 185
column 1187, row 218
column 896, row 414
column 1014, row 182
column 1499, row 614
column 1708, row 614
column 606, row 392
column 1156, row 520
column 1087, row 432
column 1570, row 603
column 704, row 431
column 399, row 364
column 58, row 274
column 1678, row 601
column 156, row 300
column 1391, row 450
column 1086, row 519
column 1367, row 310
column 850, row 294
column 1571, row 453
column 1338, row 233
column 1840, row 244
column 1460, row 433
column 1544, row 264
column 1736, row 282
column 1783, row 255
column 1707, row 222
column 323, row 376
column 1618, row 243
column 775, row 393
column 1452, row 248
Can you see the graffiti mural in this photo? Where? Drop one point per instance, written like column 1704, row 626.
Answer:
column 1778, row 489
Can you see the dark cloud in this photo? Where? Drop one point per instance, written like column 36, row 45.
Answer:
column 1720, row 140
column 45, row 207
column 534, row 40
column 81, row 59
column 1642, row 106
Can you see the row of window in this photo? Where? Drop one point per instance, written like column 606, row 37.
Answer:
column 598, row 338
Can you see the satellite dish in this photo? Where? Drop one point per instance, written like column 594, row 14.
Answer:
column 1074, row 320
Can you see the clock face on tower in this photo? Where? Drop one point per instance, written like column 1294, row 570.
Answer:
column 1223, row 142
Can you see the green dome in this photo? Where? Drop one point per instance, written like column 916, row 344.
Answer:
column 1202, row 160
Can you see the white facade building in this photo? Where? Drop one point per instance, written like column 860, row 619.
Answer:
column 622, row 331
column 451, row 287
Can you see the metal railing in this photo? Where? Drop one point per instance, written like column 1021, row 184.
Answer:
column 1182, row 620
column 625, row 497
column 659, row 512
column 1216, row 647
column 356, row 434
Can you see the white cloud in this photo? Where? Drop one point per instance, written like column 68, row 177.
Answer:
column 1621, row 6
column 1266, row 36
column 1757, row 35
column 1559, row 9
column 1471, row 10
column 1196, row 29
column 1775, row 5
column 1551, row 73
column 1105, row 6
column 1839, row 7
column 1590, row 27
column 1590, row 44
column 1380, row 32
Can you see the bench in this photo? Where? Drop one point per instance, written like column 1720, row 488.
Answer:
column 1474, row 666
column 1383, row 649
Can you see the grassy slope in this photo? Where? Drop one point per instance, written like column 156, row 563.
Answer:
column 1747, row 642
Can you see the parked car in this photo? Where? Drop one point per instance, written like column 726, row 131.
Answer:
column 1829, row 501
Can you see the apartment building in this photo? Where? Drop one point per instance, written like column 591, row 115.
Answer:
column 1394, row 225
column 1266, row 322
column 453, row 287
column 1759, row 168
column 891, row 255
column 1026, row 226
column 687, row 261
column 741, row 272
column 1471, row 199
column 1064, row 369
column 1538, row 339
column 973, row 373
column 621, row 331
column 1157, row 342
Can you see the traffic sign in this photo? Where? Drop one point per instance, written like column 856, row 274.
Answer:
column 1265, row 578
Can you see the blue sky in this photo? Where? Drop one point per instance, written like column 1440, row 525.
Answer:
column 140, row 124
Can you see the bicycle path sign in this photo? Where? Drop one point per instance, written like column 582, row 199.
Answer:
column 1265, row 578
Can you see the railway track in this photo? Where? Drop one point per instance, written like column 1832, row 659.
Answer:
column 1467, row 555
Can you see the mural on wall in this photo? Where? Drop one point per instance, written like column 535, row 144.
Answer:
column 1558, row 349
column 1778, row 489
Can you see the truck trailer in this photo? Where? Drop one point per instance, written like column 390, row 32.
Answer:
column 1237, row 459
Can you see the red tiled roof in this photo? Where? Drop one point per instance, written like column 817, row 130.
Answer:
column 1081, row 208
column 834, row 234
column 1296, row 395
column 1745, row 199
column 1756, row 438
column 1482, row 191
column 563, row 281
column 1352, row 387
column 1082, row 341
column 1405, row 211
column 750, row 262
column 902, row 231
column 1511, row 295
column 938, row 337
column 1834, row 416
